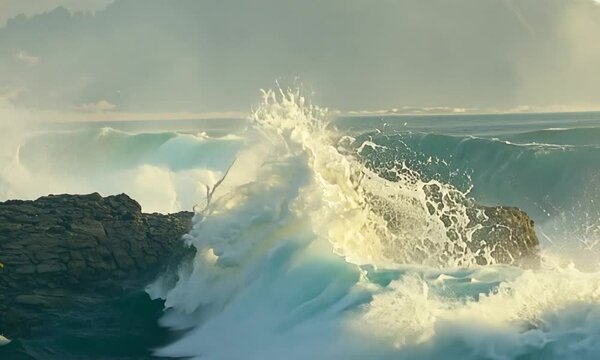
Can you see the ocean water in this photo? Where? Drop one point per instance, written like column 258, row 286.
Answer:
column 335, row 237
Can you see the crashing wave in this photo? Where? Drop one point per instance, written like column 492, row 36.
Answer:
column 306, row 251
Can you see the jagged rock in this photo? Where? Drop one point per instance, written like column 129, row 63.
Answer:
column 493, row 235
column 507, row 232
column 64, row 244
column 55, row 247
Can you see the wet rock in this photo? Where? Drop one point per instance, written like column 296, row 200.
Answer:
column 53, row 267
column 26, row 269
column 507, row 232
column 492, row 234
column 70, row 244
column 35, row 300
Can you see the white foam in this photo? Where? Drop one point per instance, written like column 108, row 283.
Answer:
column 293, row 205
column 299, row 256
column 164, row 172
column 4, row 341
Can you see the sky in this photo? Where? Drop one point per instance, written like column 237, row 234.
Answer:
column 213, row 56
column 12, row 8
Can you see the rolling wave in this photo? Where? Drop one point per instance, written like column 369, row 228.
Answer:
column 164, row 171
column 543, row 179
column 293, row 261
column 295, row 256
column 581, row 136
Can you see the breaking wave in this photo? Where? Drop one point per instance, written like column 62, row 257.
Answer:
column 322, row 246
column 165, row 171
column 538, row 177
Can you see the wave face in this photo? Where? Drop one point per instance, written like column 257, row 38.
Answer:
column 165, row 171
column 537, row 177
column 551, row 174
column 323, row 246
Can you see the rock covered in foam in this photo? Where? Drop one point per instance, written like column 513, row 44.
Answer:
column 4, row 341
column 486, row 234
column 507, row 232
column 57, row 245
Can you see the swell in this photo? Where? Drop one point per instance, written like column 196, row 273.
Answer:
column 583, row 136
column 106, row 148
column 544, row 179
column 165, row 171
column 293, row 260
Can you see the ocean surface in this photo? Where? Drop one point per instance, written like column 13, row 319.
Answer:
column 294, row 258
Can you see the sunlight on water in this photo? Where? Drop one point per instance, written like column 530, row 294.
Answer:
column 302, row 259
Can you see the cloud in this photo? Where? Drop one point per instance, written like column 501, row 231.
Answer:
column 8, row 95
column 213, row 56
column 99, row 106
column 26, row 58
column 11, row 8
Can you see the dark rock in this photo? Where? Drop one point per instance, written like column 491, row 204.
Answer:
column 25, row 269
column 53, row 267
column 88, row 227
column 508, row 233
column 35, row 300
column 70, row 244
column 498, row 234
column 494, row 234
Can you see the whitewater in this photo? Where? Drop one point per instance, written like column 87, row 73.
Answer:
column 348, row 238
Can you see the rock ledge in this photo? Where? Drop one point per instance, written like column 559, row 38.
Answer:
column 58, row 244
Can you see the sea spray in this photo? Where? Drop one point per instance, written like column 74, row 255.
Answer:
column 164, row 171
column 309, row 251
column 296, row 295
column 309, row 209
column 370, row 218
column 4, row 341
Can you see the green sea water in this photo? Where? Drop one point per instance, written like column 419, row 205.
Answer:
column 546, row 164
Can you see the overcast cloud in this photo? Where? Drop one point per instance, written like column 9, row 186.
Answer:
column 214, row 55
column 12, row 8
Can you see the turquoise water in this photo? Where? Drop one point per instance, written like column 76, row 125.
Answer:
column 293, row 261
column 97, row 328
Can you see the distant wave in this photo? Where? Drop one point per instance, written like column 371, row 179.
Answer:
column 164, row 171
column 295, row 258
column 542, row 178
column 589, row 136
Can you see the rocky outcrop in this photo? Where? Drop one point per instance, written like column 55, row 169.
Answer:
column 508, row 234
column 65, row 248
column 490, row 234
column 57, row 245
